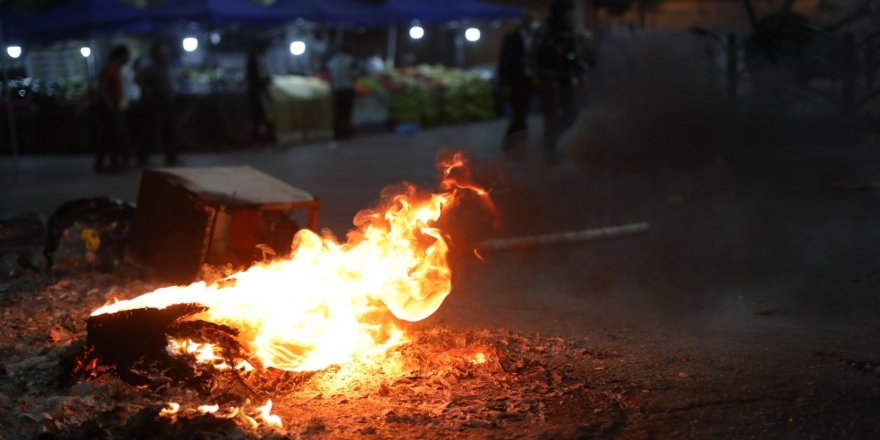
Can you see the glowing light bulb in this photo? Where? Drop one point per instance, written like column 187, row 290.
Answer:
column 297, row 48
column 416, row 32
column 14, row 51
column 472, row 34
column 190, row 44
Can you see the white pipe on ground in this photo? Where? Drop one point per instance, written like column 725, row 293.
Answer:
column 583, row 235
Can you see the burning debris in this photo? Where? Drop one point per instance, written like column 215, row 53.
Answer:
column 329, row 303
column 447, row 381
column 308, row 344
column 313, row 344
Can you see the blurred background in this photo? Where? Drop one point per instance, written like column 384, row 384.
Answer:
column 423, row 63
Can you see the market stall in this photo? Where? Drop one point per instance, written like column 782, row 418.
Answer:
column 61, row 50
column 302, row 107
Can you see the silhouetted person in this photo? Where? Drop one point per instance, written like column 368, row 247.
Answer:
column 131, row 94
column 111, row 103
column 559, row 65
column 514, row 79
column 343, row 70
column 259, row 99
column 158, row 123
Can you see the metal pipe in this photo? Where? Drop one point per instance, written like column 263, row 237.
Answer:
column 583, row 235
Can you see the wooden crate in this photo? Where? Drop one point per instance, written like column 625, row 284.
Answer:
column 187, row 217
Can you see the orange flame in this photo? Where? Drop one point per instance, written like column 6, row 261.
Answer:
column 170, row 408
column 328, row 302
column 208, row 409
column 267, row 416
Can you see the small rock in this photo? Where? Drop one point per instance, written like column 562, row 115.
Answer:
column 683, row 375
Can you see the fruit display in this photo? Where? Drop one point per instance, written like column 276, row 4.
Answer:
column 431, row 95
column 302, row 108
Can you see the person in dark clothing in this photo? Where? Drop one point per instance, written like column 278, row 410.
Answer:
column 111, row 104
column 158, row 125
column 514, row 79
column 559, row 64
column 259, row 99
column 343, row 70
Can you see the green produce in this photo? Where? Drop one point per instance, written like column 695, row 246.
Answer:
column 432, row 95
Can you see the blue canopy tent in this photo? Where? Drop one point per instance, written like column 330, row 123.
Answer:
column 430, row 11
column 79, row 18
column 215, row 12
column 338, row 12
column 423, row 11
column 480, row 10
column 308, row 10
column 11, row 22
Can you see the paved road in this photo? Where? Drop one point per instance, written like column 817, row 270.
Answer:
column 346, row 176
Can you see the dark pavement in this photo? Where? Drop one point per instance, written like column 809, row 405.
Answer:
column 346, row 176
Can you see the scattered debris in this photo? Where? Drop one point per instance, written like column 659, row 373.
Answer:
column 88, row 234
column 486, row 382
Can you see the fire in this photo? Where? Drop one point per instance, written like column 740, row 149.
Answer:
column 170, row 408
column 204, row 353
column 328, row 303
column 244, row 366
column 267, row 416
column 208, row 409
column 479, row 359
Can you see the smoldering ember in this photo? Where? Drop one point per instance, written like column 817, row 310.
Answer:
column 241, row 219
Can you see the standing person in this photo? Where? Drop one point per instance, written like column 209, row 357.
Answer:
column 559, row 67
column 515, row 80
column 111, row 105
column 259, row 99
column 343, row 70
column 131, row 95
column 158, row 124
